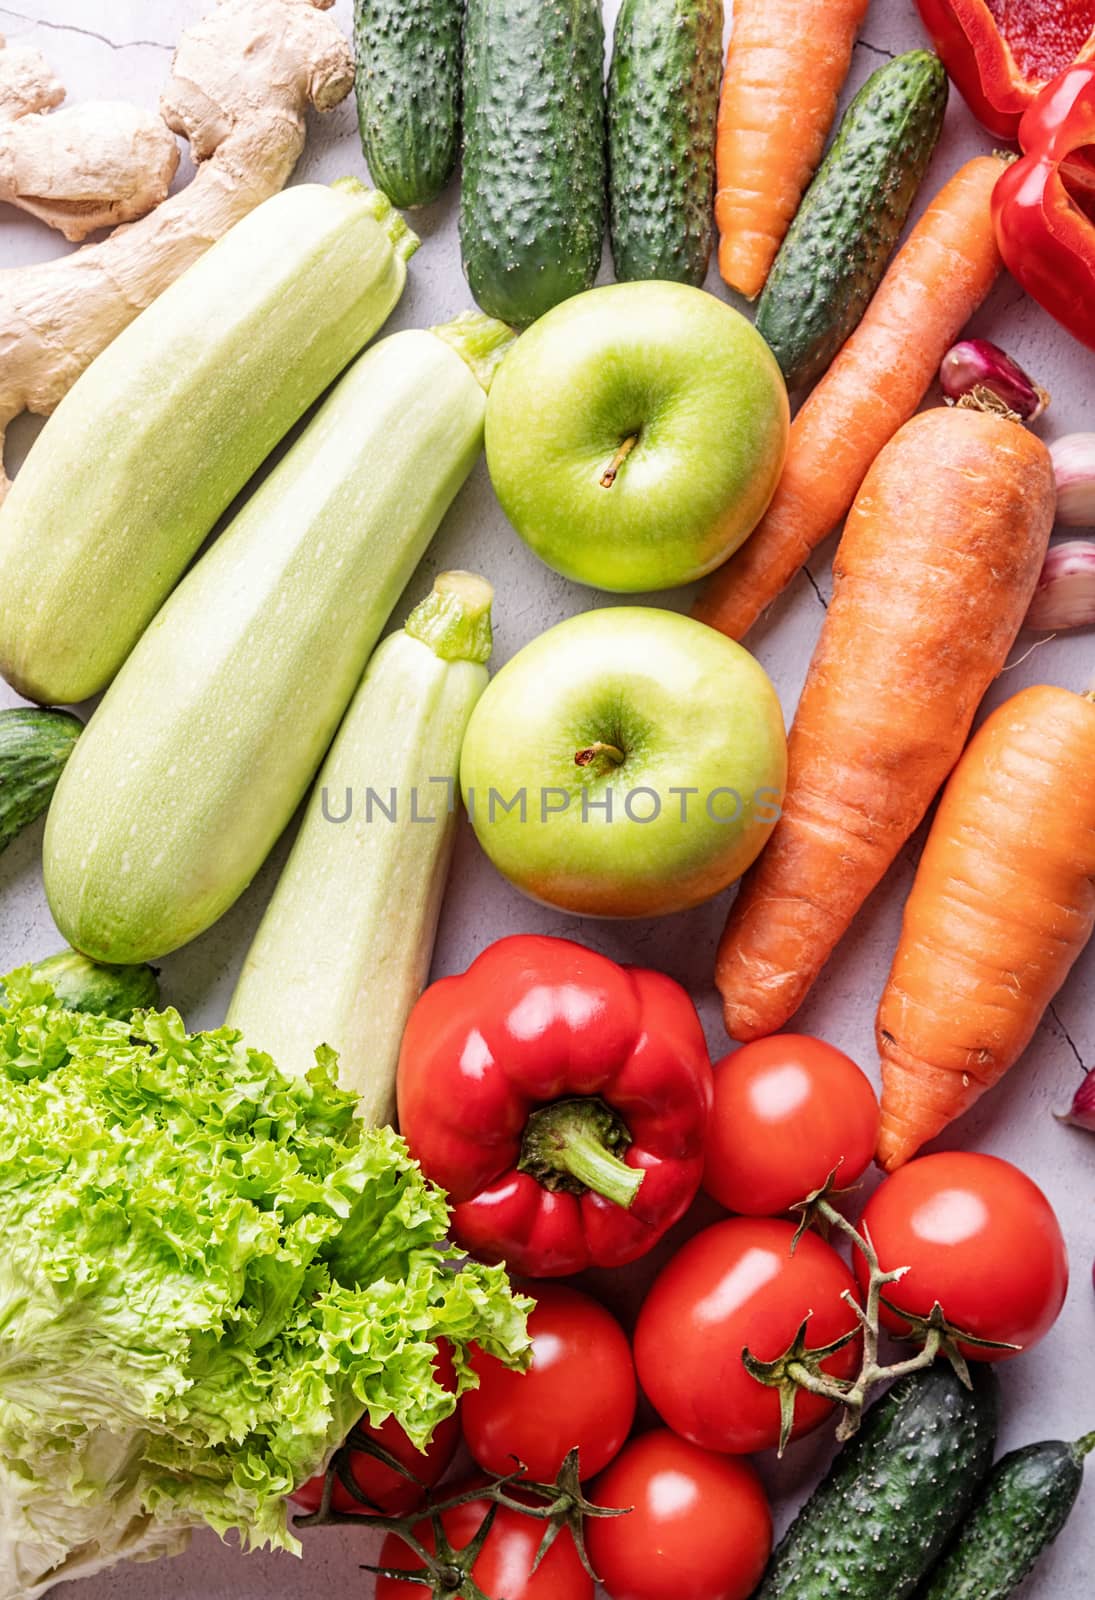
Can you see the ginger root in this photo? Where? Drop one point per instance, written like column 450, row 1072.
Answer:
column 27, row 82
column 242, row 80
column 89, row 166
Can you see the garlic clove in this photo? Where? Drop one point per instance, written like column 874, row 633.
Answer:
column 1082, row 1111
column 1065, row 594
column 1074, row 467
column 978, row 372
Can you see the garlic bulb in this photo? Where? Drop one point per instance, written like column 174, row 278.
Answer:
column 1082, row 1111
column 977, row 372
column 1074, row 467
column 1065, row 596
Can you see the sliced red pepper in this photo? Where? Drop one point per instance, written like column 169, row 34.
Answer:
column 561, row 1100
column 1044, row 204
column 1002, row 53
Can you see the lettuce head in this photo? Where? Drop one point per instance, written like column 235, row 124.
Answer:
column 208, row 1272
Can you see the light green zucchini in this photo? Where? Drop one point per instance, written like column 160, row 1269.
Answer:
column 344, row 949
column 166, row 426
column 207, row 740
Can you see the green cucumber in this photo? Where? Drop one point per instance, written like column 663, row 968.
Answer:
column 207, row 740
column 663, row 97
column 894, row 1494
column 105, row 991
column 839, row 244
column 532, row 204
column 407, row 81
column 34, row 746
column 344, row 949
column 1022, row 1507
column 166, row 426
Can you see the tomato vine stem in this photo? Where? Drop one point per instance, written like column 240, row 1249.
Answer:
column 447, row 1571
column 801, row 1366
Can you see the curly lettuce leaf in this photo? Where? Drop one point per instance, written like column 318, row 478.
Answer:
column 209, row 1271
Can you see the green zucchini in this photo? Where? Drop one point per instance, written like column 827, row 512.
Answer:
column 166, row 426
column 894, row 1494
column 838, row 246
column 532, row 204
column 1022, row 1507
column 34, row 746
column 207, row 740
column 663, row 97
column 407, row 82
column 105, row 991
column 344, row 949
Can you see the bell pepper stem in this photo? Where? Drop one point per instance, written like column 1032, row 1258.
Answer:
column 572, row 1145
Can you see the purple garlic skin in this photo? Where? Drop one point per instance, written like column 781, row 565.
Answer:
column 978, row 372
column 1065, row 595
column 1082, row 1111
column 1073, row 460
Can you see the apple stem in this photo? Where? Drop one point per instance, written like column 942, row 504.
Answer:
column 572, row 1145
column 608, row 476
column 583, row 758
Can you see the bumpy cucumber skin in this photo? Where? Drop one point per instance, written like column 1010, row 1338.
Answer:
column 839, row 244
column 407, row 83
column 663, row 96
column 532, row 205
column 894, row 1494
column 1021, row 1509
column 107, row 991
column 34, row 746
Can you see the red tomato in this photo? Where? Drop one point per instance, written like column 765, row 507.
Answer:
column 384, row 1488
column 580, row 1390
column 503, row 1569
column 787, row 1110
column 978, row 1236
column 700, row 1528
column 735, row 1285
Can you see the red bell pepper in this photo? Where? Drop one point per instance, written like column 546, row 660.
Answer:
column 1002, row 53
column 561, row 1100
column 1044, row 204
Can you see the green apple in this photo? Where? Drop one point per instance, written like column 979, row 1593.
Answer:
column 626, row 763
column 635, row 435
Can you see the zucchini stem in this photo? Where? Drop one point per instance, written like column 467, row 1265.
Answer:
column 454, row 618
column 402, row 237
column 481, row 342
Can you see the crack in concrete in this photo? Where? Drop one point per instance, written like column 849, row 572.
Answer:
column 875, row 49
column 86, row 33
column 1068, row 1037
column 812, row 581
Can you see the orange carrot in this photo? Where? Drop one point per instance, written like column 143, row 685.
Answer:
column 785, row 67
column 937, row 565
column 932, row 288
column 1003, row 903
